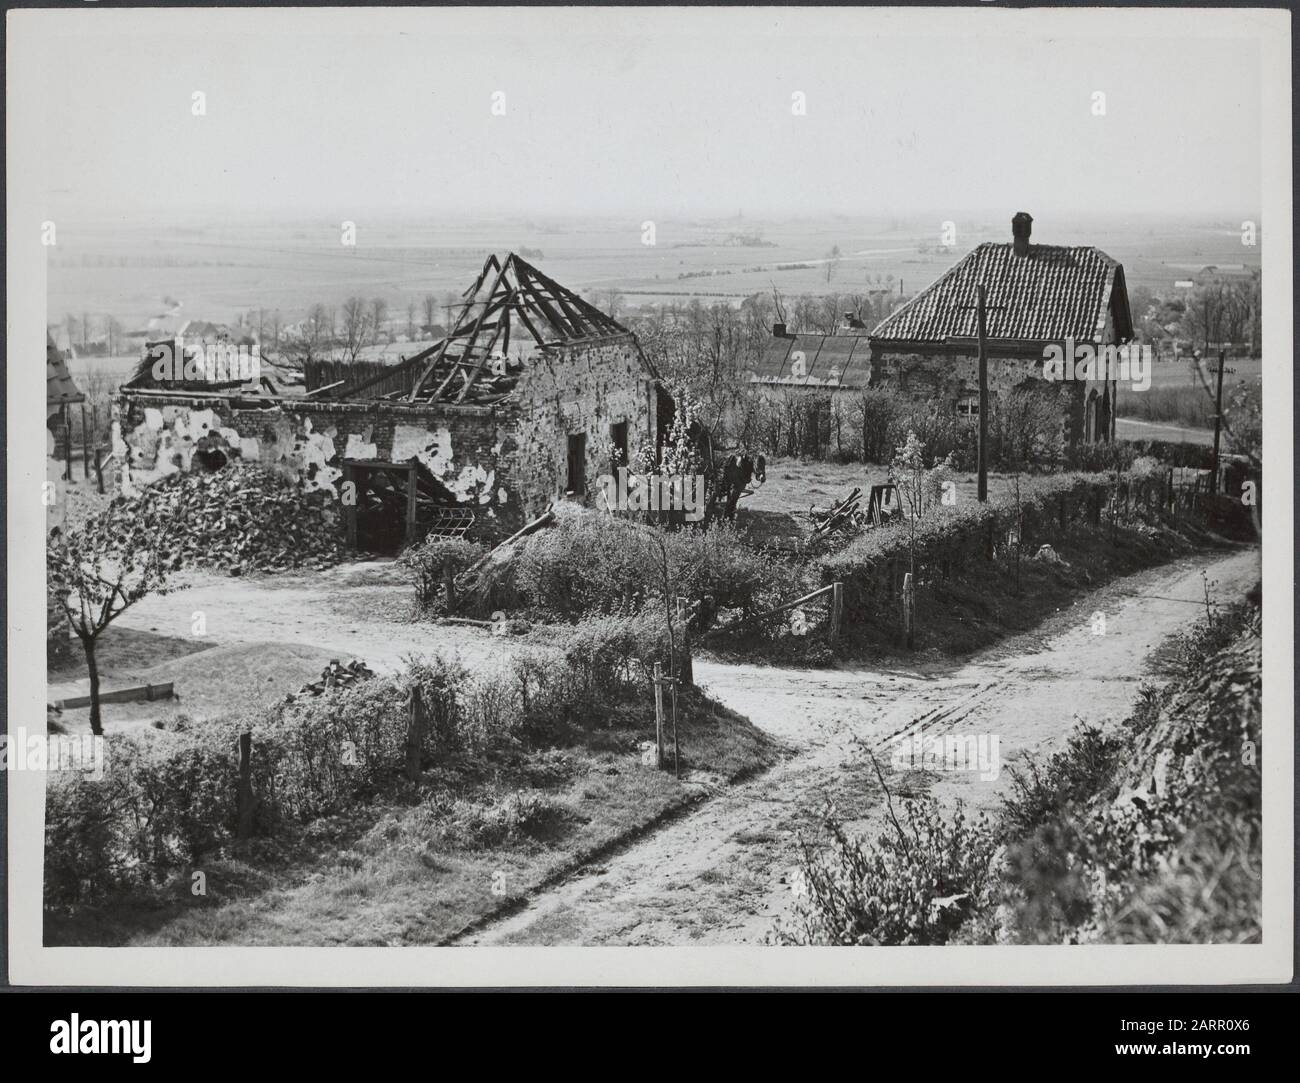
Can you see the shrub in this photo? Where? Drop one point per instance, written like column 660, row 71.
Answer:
column 1084, row 768
column 591, row 564
column 428, row 560
column 915, row 885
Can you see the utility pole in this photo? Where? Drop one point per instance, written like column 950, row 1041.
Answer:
column 983, row 492
column 1218, row 424
column 981, row 311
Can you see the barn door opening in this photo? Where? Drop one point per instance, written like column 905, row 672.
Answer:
column 397, row 504
column 383, row 515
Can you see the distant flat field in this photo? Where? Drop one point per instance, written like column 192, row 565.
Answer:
column 1127, row 428
column 218, row 269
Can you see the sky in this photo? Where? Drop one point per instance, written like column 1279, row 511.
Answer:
column 650, row 112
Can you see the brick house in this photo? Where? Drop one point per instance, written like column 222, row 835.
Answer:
column 1037, row 296
column 522, row 404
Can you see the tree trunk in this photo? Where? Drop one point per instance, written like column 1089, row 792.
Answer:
column 96, row 725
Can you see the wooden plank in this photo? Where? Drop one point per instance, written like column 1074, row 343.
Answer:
column 410, row 504
column 771, row 612
column 130, row 694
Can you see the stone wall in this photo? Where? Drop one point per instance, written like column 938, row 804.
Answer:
column 579, row 389
column 946, row 377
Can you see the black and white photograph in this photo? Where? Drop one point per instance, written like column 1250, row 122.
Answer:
column 702, row 482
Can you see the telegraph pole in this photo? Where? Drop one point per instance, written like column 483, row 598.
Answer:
column 1218, row 424
column 981, row 308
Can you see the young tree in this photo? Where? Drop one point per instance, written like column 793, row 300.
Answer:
column 356, row 326
column 378, row 317
column 833, row 258
column 97, row 574
column 919, row 488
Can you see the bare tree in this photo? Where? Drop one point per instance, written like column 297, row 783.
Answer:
column 833, row 258
column 378, row 317
column 410, row 322
column 356, row 326
column 430, row 311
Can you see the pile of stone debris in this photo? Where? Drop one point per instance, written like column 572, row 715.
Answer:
column 244, row 518
column 334, row 675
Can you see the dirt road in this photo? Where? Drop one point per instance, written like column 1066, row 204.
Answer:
column 723, row 873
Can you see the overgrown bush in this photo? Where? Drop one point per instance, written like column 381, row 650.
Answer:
column 590, row 564
column 429, row 560
column 914, row 885
column 1150, row 833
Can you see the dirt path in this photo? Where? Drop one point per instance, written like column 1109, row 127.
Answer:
column 723, row 873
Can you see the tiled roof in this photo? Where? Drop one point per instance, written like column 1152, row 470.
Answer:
column 841, row 361
column 1051, row 293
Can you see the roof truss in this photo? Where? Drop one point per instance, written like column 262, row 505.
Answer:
column 461, row 366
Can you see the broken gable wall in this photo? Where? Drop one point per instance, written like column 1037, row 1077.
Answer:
column 578, row 388
column 467, row 448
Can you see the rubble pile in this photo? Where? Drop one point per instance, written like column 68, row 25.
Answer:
column 334, row 675
column 241, row 519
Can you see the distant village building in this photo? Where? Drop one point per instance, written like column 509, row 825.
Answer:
column 1037, row 296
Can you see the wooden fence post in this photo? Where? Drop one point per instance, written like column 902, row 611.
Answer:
column 677, row 770
column 246, row 800
column 414, row 733
column 85, row 445
column 909, row 610
column 659, row 719
column 449, row 585
column 837, row 609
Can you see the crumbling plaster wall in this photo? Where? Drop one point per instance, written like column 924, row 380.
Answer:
column 572, row 389
column 467, row 448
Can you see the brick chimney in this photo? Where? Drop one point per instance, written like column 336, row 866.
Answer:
column 1021, row 225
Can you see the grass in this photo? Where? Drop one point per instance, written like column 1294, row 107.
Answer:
column 247, row 674
column 1176, row 395
column 392, row 873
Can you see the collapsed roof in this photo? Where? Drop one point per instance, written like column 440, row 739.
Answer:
column 471, row 365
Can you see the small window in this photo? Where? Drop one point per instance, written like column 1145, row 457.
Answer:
column 577, row 479
column 968, row 406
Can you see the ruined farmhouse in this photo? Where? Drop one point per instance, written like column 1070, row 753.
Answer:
column 1038, row 296
column 526, row 401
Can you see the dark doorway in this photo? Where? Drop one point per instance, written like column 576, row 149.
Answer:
column 577, row 480
column 618, row 438
column 383, row 515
